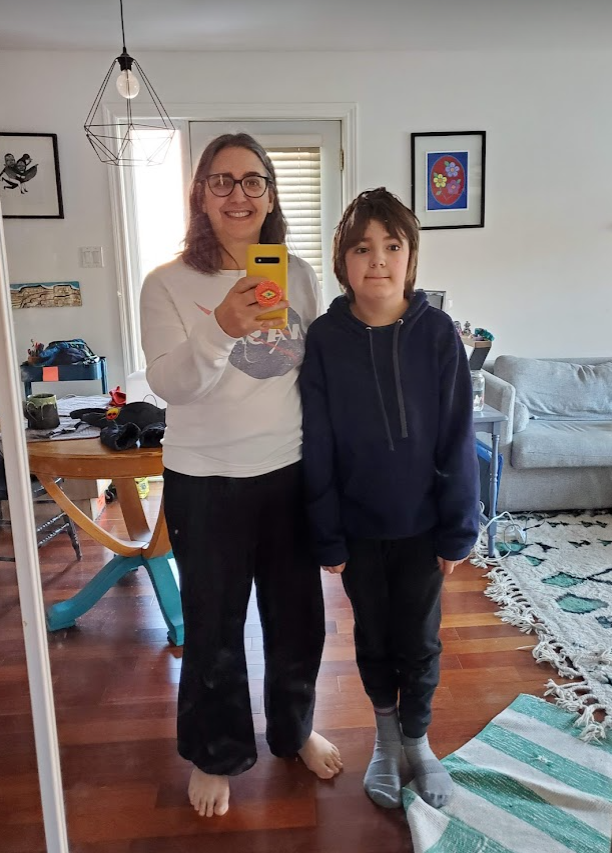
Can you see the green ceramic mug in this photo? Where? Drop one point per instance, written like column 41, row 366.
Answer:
column 41, row 411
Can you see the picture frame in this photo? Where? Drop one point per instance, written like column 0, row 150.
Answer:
column 448, row 178
column 30, row 186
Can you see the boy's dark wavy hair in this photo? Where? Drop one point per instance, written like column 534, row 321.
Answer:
column 384, row 207
column 202, row 250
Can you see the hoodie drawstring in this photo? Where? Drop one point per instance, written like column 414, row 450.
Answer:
column 397, row 375
column 379, row 390
column 398, row 378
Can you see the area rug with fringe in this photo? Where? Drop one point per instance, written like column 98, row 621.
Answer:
column 558, row 584
column 526, row 783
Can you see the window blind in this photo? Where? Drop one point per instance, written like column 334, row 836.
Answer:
column 298, row 178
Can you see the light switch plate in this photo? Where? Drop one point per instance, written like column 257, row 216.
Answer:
column 91, row 256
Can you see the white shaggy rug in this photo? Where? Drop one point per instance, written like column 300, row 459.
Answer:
column 558, row 584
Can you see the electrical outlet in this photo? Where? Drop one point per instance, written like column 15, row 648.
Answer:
column 91, row 256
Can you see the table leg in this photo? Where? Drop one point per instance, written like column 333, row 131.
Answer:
column 146, row 548
column 493, row 483
column 117, row 546
column 168, row 595
column 64, row 613
column 132, row 511
column 103, row 378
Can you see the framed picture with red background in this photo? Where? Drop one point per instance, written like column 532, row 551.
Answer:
column 448, row 178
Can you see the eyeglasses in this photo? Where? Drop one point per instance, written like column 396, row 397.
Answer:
column 253, row 186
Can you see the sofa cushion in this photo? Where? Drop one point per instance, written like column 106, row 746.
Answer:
column 558, row 389
column 563, row 444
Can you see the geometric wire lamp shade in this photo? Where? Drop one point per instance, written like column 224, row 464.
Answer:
column 128, row 141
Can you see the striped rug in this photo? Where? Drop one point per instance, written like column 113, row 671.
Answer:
column 525, row 784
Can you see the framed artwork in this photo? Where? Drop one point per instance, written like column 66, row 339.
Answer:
column 30, row 185
column 448, row 179
column 46, row 294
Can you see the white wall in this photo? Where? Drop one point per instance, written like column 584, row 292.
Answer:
column 537, row 275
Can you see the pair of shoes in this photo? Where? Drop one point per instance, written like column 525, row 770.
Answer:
column 124, row 436
column 138, row 424
column 140, row 413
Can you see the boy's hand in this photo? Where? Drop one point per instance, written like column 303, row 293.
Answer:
column 334, row 570
column 447, row 567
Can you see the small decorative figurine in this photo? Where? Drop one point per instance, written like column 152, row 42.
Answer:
column 467, row 329
column 34, row 352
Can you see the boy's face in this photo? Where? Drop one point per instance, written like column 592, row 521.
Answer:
column 376, row 267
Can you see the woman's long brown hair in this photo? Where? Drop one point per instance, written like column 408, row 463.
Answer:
column 202, row 249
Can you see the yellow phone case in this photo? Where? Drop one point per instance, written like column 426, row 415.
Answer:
column 270, row 261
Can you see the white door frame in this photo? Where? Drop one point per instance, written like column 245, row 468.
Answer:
column 28, row 575
column 345, row 113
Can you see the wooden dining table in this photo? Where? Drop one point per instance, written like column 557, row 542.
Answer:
column 89, row 459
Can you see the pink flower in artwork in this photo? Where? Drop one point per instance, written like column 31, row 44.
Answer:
column 453, row 187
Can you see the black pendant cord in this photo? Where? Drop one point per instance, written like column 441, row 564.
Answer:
column 122, row 27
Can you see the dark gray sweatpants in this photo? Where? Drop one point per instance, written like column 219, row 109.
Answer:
column 395, row 586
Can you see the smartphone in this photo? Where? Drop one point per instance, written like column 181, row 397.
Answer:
column 270, row 261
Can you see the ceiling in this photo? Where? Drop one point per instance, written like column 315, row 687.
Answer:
column 345, row 25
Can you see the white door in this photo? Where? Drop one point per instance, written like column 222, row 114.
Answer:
column 307, row 159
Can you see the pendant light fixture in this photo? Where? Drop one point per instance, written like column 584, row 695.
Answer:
column 126, row 141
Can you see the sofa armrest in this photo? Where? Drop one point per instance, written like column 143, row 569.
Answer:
column 502, row 396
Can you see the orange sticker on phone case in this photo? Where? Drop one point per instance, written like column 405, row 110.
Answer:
column 268, row 293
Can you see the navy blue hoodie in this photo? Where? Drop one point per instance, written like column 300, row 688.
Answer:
column 389, row 445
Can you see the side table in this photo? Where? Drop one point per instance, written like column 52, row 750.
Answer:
column 490, row 421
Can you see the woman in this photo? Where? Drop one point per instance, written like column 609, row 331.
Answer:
column 233, row 480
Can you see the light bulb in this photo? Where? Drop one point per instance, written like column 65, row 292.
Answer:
column 127, row 84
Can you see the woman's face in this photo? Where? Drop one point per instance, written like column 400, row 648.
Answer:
column 237, row 218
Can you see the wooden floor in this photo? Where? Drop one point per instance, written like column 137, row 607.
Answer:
column 115, row 679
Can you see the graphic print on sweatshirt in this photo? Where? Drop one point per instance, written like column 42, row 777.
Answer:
column 262, row 355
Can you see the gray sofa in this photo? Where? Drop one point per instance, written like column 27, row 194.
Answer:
column 557, row 443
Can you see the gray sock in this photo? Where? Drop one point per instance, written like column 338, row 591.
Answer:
column 433, row 782
column 382, row 778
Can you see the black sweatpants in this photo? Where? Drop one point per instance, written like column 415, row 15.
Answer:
column 225, row 532
column 395, row 588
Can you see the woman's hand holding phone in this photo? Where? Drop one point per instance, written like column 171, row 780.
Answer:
column 237, row 314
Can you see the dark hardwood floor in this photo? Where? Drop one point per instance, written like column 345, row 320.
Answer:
column 115, row 680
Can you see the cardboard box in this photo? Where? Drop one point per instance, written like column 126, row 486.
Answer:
column 78, row 490
column 92, row 507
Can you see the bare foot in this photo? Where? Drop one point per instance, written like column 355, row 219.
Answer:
column 209, row 795
column 321, row 756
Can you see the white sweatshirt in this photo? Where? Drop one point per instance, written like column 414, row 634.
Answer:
column 233, row 404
